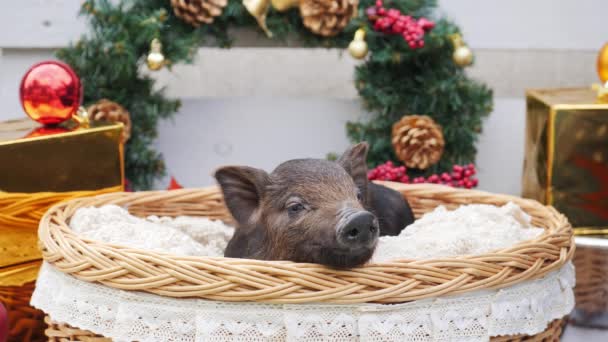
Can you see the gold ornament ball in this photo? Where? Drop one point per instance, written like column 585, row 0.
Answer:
column 602, row 64
column 463, row 56
column 155, row 60
column 358, row 47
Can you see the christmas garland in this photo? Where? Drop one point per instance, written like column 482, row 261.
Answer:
column 414, row 65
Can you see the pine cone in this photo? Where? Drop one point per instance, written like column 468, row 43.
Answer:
column 106, row 110
column 327, row 17
column 418, row 141
column 197, row 12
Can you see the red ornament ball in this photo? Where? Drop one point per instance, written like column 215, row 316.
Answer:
column 50, row 92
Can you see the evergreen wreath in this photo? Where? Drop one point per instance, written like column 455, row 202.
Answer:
column 394, row 80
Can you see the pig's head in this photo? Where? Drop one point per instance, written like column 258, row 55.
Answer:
column 306, row 210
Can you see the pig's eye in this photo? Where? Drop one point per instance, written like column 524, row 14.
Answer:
column 295, row 208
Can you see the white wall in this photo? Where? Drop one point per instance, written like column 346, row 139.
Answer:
column 257, row 131
column 261, row 105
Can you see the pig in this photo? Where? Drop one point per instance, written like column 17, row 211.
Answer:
column 311, row 210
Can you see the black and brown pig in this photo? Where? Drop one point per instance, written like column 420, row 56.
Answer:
column 311, row 210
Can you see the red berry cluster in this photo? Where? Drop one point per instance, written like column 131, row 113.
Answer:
column 392, row 21
column 461, row 176
column 389, row 172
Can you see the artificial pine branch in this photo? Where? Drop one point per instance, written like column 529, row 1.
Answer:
column 392, row 82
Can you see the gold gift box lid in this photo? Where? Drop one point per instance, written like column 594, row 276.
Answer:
column 40, row 159
column 568, row 98
column 20, row 130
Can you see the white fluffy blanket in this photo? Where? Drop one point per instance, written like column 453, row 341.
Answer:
column 470, row 229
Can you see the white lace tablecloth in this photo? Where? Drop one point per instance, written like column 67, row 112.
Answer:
column 525, row 308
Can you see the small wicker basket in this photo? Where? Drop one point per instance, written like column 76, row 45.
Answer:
column 591, row 291
column 240, row 280
column 26, row 322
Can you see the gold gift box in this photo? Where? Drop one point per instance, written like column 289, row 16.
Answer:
column 40, row 166
column 80, row 159
column 35, row 159
column 566, row 160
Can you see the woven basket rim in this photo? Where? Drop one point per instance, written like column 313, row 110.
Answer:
column 239, row 280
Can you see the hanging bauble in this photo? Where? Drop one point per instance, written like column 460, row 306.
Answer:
column 106, row 110
column 259, row 9
column 463, row 56
column 418, row 141
column 602, row 64
column 155, row 59
column 358, row 47
column 284, row 5
column 50, row 92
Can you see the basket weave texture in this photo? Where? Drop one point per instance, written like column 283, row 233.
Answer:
column 591, row 291
column 240, row 280
column 25, row 322
column 61, row 332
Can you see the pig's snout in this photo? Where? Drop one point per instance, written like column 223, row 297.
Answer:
column 361, row 230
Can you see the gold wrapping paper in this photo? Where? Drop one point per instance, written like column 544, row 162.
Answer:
column 38, row 168
column 17, row 275
column 19, row 217
column 82, row 159
column 17, row 246
column 566, row 162
column 77, row 160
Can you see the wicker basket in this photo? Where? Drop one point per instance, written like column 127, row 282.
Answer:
column 591, row 291
column 239, row 280
column 26, row 323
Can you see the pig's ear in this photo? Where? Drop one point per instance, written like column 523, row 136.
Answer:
column 354, row 161
column 243, row 187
